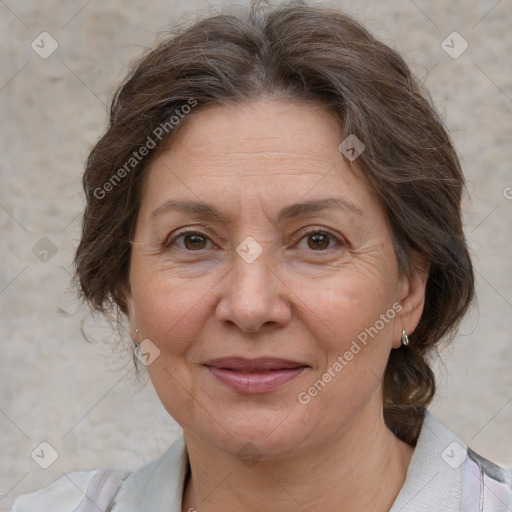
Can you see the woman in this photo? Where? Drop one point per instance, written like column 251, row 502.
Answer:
column 275, row 208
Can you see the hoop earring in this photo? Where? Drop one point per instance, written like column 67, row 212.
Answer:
column 405, row 338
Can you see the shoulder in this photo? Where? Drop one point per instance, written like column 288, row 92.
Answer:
column 159, row 481
column 445, row 474
column 487, row 482
column 63, row 495
column 71, row 491
column 465, row 472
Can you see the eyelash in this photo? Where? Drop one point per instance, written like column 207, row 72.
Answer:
column 168, row 244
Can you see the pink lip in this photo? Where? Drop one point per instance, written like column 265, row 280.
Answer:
column 254, row 375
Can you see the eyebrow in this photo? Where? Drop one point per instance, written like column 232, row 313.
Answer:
column 206, row 210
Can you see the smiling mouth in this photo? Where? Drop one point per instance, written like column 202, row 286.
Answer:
column 254, row 375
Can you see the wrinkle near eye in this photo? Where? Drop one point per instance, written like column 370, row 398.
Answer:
column 371, row 258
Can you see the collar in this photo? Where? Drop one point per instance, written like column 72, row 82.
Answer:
column 433, row 481
column 157, row 486
column 435, row 473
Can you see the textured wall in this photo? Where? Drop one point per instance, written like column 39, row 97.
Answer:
column 82, row 398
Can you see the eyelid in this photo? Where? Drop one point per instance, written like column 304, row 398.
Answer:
column 180, row 233
column 299, row 236
column 338, row 238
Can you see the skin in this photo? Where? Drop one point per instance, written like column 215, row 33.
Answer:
column 301, row 299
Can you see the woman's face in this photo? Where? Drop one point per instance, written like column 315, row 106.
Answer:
column 256, row 242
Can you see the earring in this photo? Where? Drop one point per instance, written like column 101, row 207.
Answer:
column 405, row 338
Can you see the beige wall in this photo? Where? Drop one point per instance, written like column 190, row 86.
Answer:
column 81, row 398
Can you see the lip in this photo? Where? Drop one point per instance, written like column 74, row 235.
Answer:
column 254, row 375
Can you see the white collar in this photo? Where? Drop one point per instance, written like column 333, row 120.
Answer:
column 433, row 482
column 157, row 486
column 434, row 477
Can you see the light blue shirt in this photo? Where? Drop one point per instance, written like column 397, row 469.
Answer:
column 444, row 475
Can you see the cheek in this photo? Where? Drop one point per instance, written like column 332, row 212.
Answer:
column 168, row 311
column 348, row 307
column 355, row 341
column 356, row 320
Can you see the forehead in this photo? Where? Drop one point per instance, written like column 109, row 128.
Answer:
column 272, row 151
column 269, row 129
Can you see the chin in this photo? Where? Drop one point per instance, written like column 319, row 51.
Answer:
column 267, row 434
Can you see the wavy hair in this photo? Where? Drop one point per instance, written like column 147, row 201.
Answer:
column 299, row 52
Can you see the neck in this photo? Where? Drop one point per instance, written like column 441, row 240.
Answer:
column 360, row 469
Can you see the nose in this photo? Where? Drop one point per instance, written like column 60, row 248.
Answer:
column 253, row 297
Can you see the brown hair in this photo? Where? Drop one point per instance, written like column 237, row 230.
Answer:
column 315, row 54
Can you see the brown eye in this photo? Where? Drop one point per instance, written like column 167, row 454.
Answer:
column 194, row 241
column 191, row 241
column 318, row 241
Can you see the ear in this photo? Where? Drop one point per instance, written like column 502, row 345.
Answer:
column 412, row 299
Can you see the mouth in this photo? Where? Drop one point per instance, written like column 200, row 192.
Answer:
column 254, row 375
